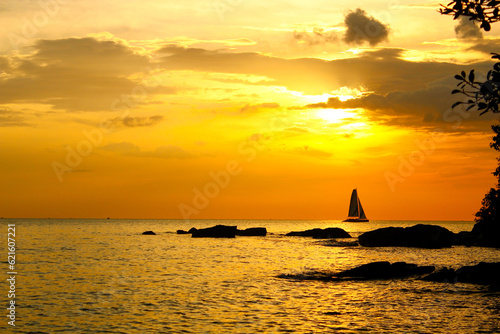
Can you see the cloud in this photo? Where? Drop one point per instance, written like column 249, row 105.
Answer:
column 133, row 122
column 162, row 152
column 75, row 74
column 312, row 152
column 486, row 46
column 311, row 75
column 256, row 107
column 362, row 28
column 427, row 107
column 123, row 147
column 11, row 118
column 317, row 37
column 467, row 30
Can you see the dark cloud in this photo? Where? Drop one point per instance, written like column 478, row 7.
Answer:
column 362, row 28
column 75, row 74
column 467, row 29
column 317, row 37
column 486, row 46
column 428, row 107
column 133, row 122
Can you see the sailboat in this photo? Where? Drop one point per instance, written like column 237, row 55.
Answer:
column 356, row 212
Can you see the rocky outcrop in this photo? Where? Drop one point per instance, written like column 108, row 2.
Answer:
column 486, row 234
column 318, row 233
column 218, row 231
column 252, row 232
column 191, row 230
column 148, row 233
column 483, row 273
column 422, row 236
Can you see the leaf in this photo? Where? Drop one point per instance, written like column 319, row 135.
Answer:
column 456, row 91
column 456, row 104
column 486, row 26
column 471, row 76
column 463, row 74
column 470, row 107
column 458, row 77
column 481, row 105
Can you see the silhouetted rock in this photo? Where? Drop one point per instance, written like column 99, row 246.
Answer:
column 218, row 231
column 385, row 270
column 148, row 233
column 444, row 275
column 318, row 233
column 422, row 236
column 191, row 230
column 483, row 273
column 487, row 234
column 369, row 271
column 253, row 232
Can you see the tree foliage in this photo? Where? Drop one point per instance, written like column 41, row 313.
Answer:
column 490, row 210
column 483, row 95
column 485, row 12
column 486, row 97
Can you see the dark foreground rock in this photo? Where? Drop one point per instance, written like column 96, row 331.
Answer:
column 369, row 271
column 318, row 233
column 483, row 273
column 385, row 270
column 218, row 231
column 148, row 233
column 422, row 236
column 252, row 232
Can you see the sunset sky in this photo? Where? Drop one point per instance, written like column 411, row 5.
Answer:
column 239, row 109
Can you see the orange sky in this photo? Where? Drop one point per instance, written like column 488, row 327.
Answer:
column 234, row 109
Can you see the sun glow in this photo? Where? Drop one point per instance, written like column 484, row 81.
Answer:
column 336, row 115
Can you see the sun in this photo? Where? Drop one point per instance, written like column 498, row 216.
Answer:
column 335, row 115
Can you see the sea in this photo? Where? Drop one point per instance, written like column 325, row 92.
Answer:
column 104, row 276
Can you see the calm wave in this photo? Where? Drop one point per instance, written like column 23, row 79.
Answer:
column 103, row 276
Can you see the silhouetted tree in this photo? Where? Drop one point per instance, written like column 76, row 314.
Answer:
column 485, row 12
column 490, row 211
column 485, row 95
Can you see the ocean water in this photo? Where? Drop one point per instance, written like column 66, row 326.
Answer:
column 103, row 276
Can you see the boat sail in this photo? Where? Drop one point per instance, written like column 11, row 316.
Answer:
column 356, row 212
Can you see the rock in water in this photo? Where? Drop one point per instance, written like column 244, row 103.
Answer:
column 422, row 236
column 218, row 231
column 148, row 233
column 191, row 230
column 318, row 233
column 483, row 273
column 385, row 270
column 253, row 232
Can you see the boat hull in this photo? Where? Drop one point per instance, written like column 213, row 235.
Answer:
column 356, row 220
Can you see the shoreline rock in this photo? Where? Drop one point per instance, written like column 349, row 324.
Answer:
column 148, row 233
column 318, row 233
column 420, row 236
column 252, row 232
column 483, row 273
column 218, row 231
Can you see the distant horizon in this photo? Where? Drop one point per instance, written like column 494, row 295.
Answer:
column 245, row 219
